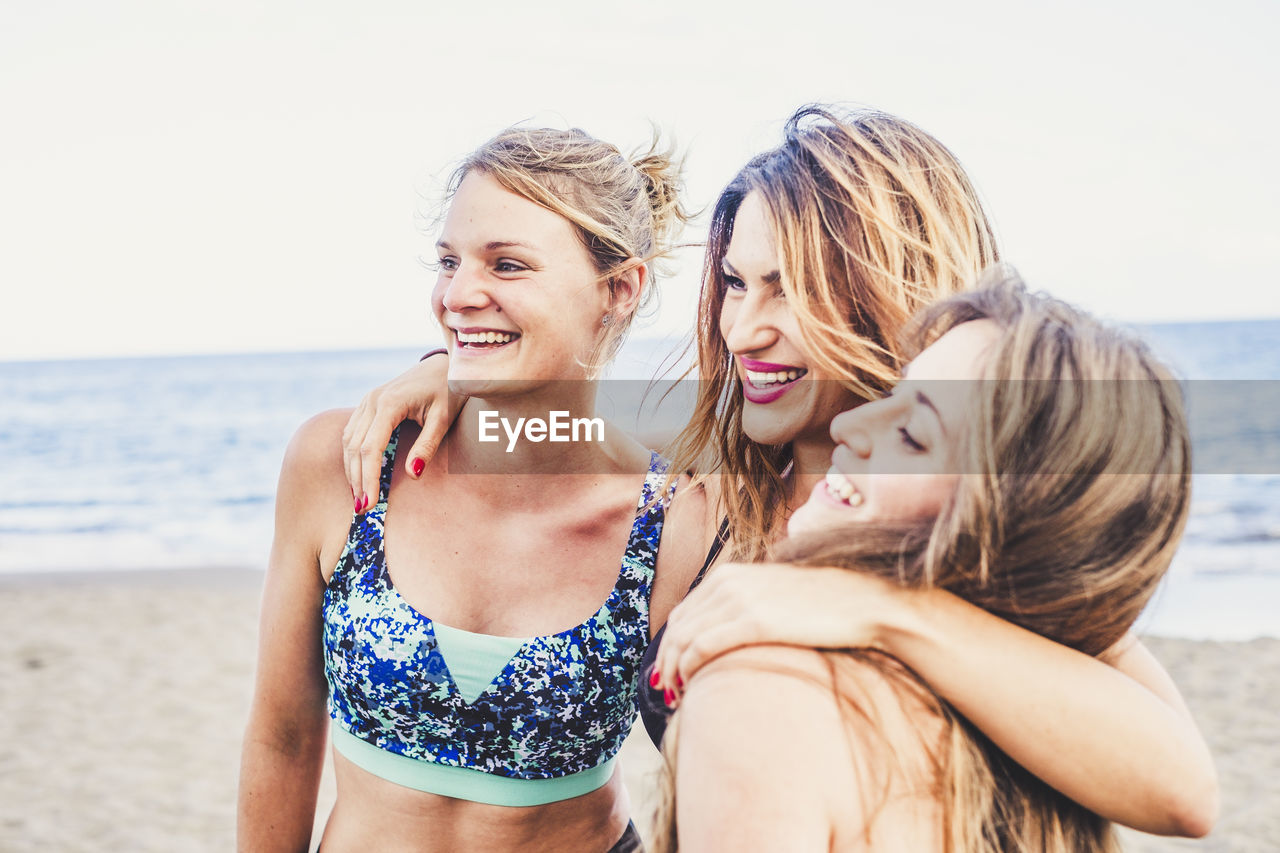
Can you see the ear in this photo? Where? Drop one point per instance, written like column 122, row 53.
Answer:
column 627, row 287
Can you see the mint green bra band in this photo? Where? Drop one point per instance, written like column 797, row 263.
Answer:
column 466, row 783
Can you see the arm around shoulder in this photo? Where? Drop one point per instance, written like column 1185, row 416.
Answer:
column 1117, row 739
column 283, row 750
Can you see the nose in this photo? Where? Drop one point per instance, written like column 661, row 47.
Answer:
column 748, row 326
column 856, row 428
column 465, row 289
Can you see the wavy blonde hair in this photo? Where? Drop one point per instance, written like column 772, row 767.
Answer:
column 626, row 209
column 874, row 219
column 1076, row 493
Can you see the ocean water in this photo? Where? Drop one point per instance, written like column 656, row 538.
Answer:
column 1225, row 580
column 171, row 462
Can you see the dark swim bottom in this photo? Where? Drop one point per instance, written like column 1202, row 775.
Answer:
column 629, row 842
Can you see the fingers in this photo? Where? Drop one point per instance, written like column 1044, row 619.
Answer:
column 700, row 643
column 681, row 658
column 680, row 630
column 374, row 443
column 712, row 619
column 706, row 647
column 435, row 426
column 352, row 439
column 365, row 437
column 684, row 628
column 413, row 394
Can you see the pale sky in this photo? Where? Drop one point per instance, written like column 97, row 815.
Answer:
column 184, row 177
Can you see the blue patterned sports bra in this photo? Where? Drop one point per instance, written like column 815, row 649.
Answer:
column 507, row 721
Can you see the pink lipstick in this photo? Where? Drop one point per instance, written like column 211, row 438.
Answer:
column 764, row 381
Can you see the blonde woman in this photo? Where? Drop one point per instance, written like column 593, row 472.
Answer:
column 818, row 253
column 470, row 642
column 1032, row 462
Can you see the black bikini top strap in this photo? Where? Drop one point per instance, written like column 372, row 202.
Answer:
column 722, row 536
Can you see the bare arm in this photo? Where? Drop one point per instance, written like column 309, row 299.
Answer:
column 420, row 394
column 284, row 743
column 1117, row 739
column 687, row 533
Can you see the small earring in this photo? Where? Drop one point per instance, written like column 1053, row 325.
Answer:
column 606, row 319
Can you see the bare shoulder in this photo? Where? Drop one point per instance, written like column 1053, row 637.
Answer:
column 765, row 695
column 871, row 680
column 759, row 753
column 845, row 737
column 313, row 504
column 765, row 700
column 762, row 668
column 687, row 533
column 316, row 445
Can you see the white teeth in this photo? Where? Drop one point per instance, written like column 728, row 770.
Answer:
column 762, row 378
column 484, row 337
column 838, row 486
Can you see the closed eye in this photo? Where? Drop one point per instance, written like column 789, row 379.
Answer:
column 909, row 441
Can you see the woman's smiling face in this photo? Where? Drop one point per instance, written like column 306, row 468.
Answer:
column 517, row 295
column 896, row 459
column 785, row 398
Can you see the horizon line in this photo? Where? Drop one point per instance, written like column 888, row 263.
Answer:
column 46, row 358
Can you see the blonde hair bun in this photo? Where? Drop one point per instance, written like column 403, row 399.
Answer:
column 663, row 174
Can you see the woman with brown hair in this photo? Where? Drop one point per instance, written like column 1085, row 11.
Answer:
column 818, row 253
column 1033, row 463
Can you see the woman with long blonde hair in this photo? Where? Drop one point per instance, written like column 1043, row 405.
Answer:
column 818, row 253
column 1032, row 462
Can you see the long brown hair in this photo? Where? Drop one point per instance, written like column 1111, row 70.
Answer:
column 874, row 218
column 1076, row 491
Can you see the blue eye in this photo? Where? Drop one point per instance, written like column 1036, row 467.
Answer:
column 447, row 264
column 508, row 266
column 909, row 441
column 732, row 282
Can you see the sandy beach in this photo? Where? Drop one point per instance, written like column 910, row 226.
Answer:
column 125, row 694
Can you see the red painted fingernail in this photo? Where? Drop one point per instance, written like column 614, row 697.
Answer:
column 364, row 502
column 357, row 505
column 679, row 680
column 418, row 466
column 654, row 678
column 668, row 697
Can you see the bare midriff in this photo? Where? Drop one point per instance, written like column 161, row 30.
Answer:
column 374, row 814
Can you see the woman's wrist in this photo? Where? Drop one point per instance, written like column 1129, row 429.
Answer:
column 905, row 621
